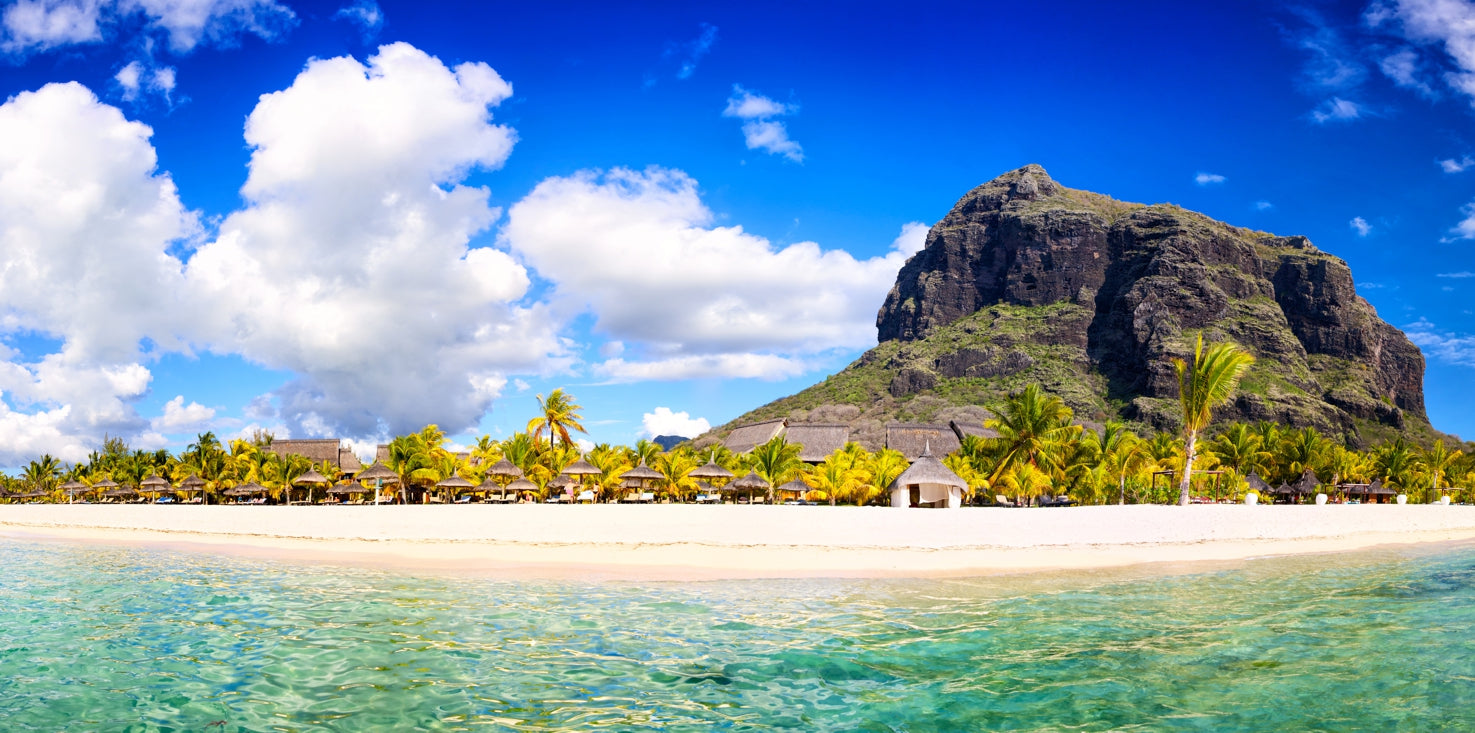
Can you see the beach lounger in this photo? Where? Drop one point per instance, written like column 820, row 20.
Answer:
column 647, row 497
column 1001, row 500
column 464, row 500
column 586, row 495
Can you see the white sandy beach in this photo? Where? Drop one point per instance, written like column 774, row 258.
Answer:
column 688, row 541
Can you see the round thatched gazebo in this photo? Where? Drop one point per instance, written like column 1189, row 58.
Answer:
column 928, row 483
column 749, row 483
column 455, row 484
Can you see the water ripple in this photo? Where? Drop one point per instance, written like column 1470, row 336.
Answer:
column 132, row 639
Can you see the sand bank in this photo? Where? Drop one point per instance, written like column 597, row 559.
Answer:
column 688, row 541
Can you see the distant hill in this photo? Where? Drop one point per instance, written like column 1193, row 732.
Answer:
column 667, row 442
column 1027, row 281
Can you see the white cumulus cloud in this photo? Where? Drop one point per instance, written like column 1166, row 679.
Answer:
column 663, row 421
column 1361, row 226
column 181, row 418
column 640, row 251
column 351, row 264
column 1207, row 179
column 1445, row 25
column 1456, row 165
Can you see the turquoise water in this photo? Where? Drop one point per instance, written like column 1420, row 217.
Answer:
column 102, row 638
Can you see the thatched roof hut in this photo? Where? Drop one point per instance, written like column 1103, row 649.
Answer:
column 818, row 440
column 1257, row 484
column 927, row 482
column 744, row 437
column 1307, row 483
column 913, row 439
column 319, row 450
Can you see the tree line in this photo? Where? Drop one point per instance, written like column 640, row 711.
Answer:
column 1039, row 451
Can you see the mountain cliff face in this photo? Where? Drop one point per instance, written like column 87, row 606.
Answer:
column 1028, row 281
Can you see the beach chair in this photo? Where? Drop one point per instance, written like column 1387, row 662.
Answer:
column 464, row 499
column 647, row 497
column 1001, row 500
column 586, row 496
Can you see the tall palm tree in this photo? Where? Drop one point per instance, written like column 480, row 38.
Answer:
column 777, row 461
column 1031, row 423
column 558, row 415
column 885, row 466
column 41, row 474
column 1396, row 463
column 1025, row 481
column 1206, row 383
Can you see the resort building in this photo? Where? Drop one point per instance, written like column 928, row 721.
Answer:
column 318, row 451
column 912, row 440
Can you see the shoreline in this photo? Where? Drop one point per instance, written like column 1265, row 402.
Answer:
column 686, row 542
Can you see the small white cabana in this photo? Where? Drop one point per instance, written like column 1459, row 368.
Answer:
column 928, row 483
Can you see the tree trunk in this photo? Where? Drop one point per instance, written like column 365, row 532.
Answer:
column 1122, row 490
column 1188, row 450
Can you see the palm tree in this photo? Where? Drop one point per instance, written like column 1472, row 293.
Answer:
column 841, row 476
column 1438, row 460
column 42, row 474
column 1396, row 463
column 1239, row 449
column 1031, row 424
column 1121, row 452
column 1206, row 383
column 884, row 467
column 559, row 415
column 1025, row 481
column 777, row 461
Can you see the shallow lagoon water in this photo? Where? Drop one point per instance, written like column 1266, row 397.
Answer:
column 136, row 639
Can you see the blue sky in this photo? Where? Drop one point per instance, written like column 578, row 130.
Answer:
column 348, row 219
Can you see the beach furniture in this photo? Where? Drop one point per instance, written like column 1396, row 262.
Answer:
column 647, row 497
column 586, row 496
column 452, row 486
column 309, row 479
column 1001, row 500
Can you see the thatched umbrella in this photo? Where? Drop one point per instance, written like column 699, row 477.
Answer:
column 354, row 488
column 154, row 483
column 505, row 469
column 247, row 489
column 1307, row 483
column 192, row 484
column 520, row 485
column 750, row 482
column 1257, row 484
column 105, row 485
column 74, row 487
column 712, row 470
column 797, row 486
column 933, row 480
column 454, row 483
column 579, row 469
column 640, row 474
column 310, row 479
column 379, row 473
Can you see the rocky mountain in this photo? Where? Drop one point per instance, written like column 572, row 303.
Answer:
column 1026, row 280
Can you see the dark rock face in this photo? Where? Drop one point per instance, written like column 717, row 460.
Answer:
column 1151, row 278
